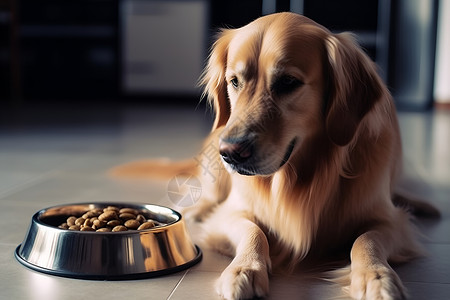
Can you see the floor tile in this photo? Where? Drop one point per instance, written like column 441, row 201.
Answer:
column 200, row 285
column 211, row 261
column 431, row 291
column 49, row 165
column 435, row 230
column 197, row 285
column 294, row 287
column 434, row 268
column 12, row 181
column 20, row 283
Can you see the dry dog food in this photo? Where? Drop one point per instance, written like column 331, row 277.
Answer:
column 110, row 219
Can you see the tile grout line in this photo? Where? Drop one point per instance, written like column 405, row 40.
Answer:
column 30, row 182
column 176, row 286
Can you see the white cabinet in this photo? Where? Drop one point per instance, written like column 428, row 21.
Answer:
column 163, row 45
column 442, row 71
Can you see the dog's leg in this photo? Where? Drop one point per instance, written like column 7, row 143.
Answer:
column 214, row 192
column 417, row 207
column 201, row 210
column 371, row 276
column 247, row 274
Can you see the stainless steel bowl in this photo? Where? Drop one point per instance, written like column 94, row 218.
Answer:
column 107, row 255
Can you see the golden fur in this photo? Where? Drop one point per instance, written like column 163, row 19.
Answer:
column 316, row 173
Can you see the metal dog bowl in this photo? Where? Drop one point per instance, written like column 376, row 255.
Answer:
column 107, row 255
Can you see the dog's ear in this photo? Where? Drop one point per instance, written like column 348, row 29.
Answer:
column 213, row 78
column 354, row 87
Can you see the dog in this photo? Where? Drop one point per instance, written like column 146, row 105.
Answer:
column 306, row 149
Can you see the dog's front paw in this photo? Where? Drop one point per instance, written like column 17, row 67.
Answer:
column 376, row 283
column 244, row 280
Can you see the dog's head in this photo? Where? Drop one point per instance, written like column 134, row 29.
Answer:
column 280, row 81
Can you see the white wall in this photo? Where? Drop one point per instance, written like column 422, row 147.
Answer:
column 442, row 71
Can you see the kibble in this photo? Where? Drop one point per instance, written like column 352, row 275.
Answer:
column 132, row 224
column 108, row 215
column 119, row 228
column 147, row 225
column 99, row 224
column 127, row 216
column 109, row 219
column 141, row 219
column 79, row 221
column 88, row 223
column 92, row 213
column 75, row 227
column 71, row 221
column 114, row 223
column 111, row 208
column 64, row 226
column 129, row 211
column 87, row 228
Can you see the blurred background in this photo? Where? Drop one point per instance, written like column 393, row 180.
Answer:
column 101, row 55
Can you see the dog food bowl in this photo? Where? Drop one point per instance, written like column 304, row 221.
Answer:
column 122, row 255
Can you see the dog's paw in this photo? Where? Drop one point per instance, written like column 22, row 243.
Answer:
column 244, row 281
column 377, row 283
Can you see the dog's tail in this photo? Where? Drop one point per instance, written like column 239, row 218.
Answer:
column 415, row 206
column 160, row 169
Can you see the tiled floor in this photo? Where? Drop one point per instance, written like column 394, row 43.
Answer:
column 44, row 165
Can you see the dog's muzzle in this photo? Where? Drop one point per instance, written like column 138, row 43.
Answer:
column 239, row 154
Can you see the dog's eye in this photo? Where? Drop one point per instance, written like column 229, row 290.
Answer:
column 286, row 84
column 235, row 82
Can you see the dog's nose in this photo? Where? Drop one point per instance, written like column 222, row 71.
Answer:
column 235, row 152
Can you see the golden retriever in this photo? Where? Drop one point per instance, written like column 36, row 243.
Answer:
column 308, row 135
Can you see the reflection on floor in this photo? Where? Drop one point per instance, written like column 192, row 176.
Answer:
column 45, row 164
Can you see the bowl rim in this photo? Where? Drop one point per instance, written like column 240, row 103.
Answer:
column 38, row 220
